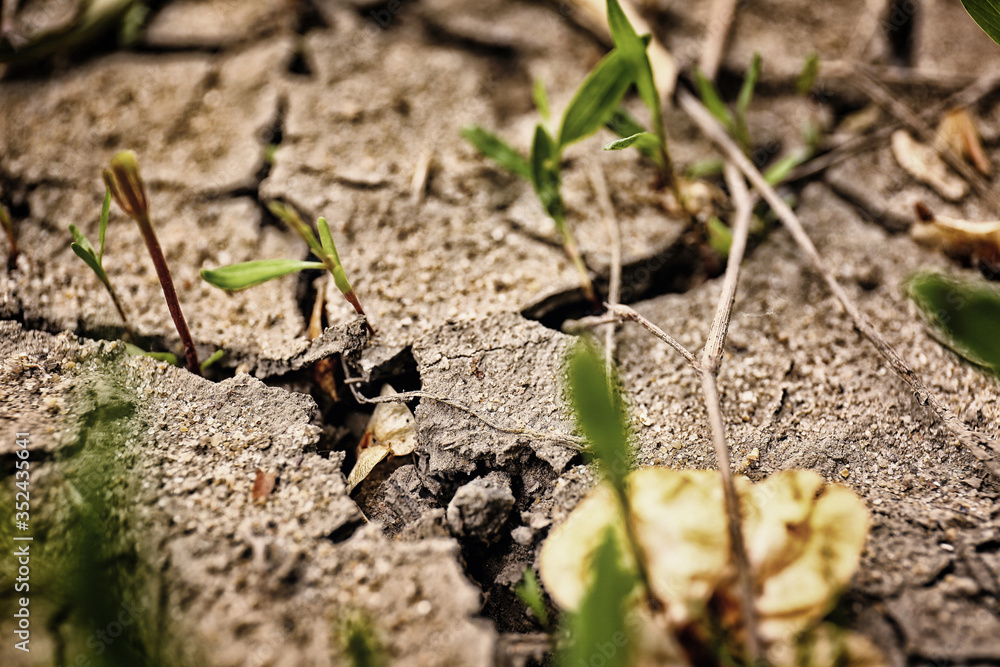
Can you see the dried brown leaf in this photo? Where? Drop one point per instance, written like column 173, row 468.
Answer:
column 263, row 484
column 958, row 131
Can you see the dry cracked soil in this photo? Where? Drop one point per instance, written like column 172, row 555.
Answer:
column 215, row 510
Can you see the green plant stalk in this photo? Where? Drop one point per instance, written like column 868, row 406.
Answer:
column 124, row 182
column 129, row 333
column 331, row 259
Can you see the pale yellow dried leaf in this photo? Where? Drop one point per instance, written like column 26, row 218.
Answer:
column 924, row 164
column 962, row 239
column 390, row 431
column 958, row 131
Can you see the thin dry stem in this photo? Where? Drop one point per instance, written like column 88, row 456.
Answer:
column 600, row 184
column 626, row 313
column 976, row 443
column 717, row 34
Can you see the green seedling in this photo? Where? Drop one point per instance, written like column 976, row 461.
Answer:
column 530, row 594
column 594, row 105
column 651, row 144
column 126, row 186
column 359, row 642
column 247, row 274
column 95, row 259
column 8, row 228
column 734, row 121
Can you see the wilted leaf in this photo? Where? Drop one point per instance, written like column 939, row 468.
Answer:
column 959, row 132
column 497, row 149
column 248, row 274
column 804, row 539
column 390, row 431
column 263, row 484
column 964, row 313
column 964, row 240
column 596, row 99
column 924, row 164
column 987, row 14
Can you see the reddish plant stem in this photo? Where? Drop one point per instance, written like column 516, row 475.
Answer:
column 169, row 293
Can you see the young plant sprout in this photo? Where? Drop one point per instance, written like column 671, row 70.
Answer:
column 126, row 186
column 247, row 274
column 95, row 259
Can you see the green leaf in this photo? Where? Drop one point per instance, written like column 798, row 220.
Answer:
column 248, row 274
column 965, row 315
column 599, row 628
column 545, row 175
column 749, row 84
column 137, row 351
column 644, row 141
column 498, row 150
column 102, row 226
column 359, row 642
column 541, row 99
column 633, row 49
column 291, row 218
column 208, row 363
column 326, row 238
column 807, row 78
column 599, row 412
column 596, row 99
column 720, row 237
column 624, row 124
column 780, row 170
column 530, row 594
column 703, row 168
column 87, row 255
column 710, row 98
column 987, row 14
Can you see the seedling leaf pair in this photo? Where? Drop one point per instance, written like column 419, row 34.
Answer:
column 247, row 274
column 734, row 121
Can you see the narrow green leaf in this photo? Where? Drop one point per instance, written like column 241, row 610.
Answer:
column 703, row 168
column 87, row 255
column 807, row 78
column 498, row 150
column 710, row 98
column 541, row 98
column 600, row 628
column 545, row 175
column 643, row 141
column 596, row 99
column 248, row 274
column 780, row 170
column 633, row 48
column 965, row 315
column 103, row 224
column 326, row 238
column 624, row 124
column 340, row 280
column 291, row 218
column 81, row 240
column 208, row 363
column 749, row 84
column 530, row 594
column 720, row 237
column 136, row 351
column 987, row 14
column 599, row 412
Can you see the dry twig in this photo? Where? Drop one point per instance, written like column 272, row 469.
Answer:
column 720, row 21
column 976, row 443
